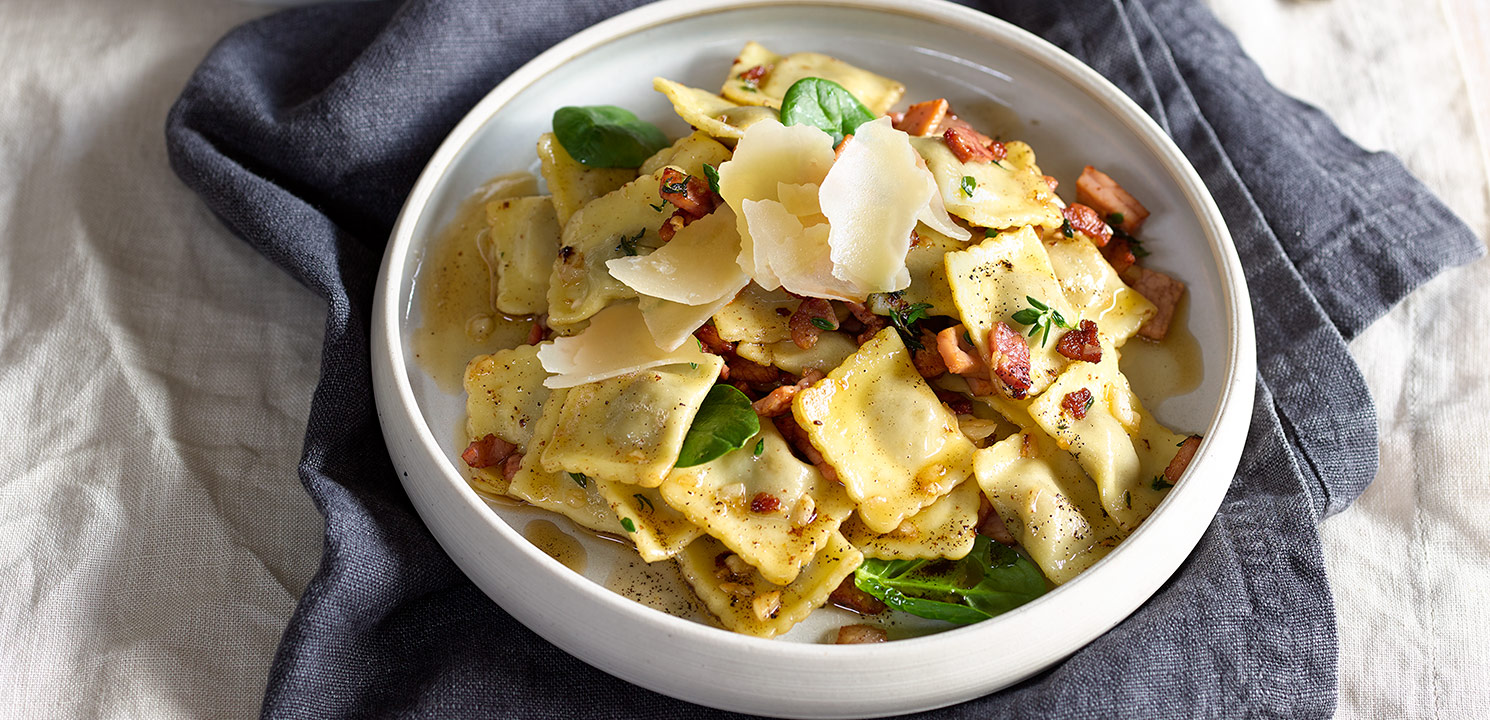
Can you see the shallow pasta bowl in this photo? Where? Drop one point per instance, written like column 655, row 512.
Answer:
column 992, row 72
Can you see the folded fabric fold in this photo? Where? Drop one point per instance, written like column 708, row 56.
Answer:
column 305, row 130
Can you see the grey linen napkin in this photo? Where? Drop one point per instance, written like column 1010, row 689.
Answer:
column 304, row 131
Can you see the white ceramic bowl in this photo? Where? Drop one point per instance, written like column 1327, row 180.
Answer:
column 992, row 72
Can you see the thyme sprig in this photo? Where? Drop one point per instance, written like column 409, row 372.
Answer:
column 1040, row 317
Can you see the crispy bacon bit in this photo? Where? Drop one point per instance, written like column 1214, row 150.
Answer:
column 1076, row 402
column 694, row 199
column 1161, row 290
column 764, row 503
column 511, row 465
column 1119, row 254
column 872, row 323
column 1081, row 343
column 928, row 360
column 1087, row 222
column 1011, row 359
column 958, row 354
column 671, row 227
column 966, row 147
column 757, row 376
column 1052, row 182
column 538, row 332
column 708, row 334
column 955, row 401
column 1181, row 459
column 808, row 321
column 1095, row 189
column 779, row 401
column 754, row 75
column 922, row 118
column 487, row 452
column 861, row 634
column 915, row 238
column 848, row 596
column 797, row 438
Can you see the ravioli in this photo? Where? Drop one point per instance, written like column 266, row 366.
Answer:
column 757, row 316
column 1045, row 500
column 616, row 225
column 1094, row 290
column 711, row 113
column 519, row 248
column 571, row 184
column 831, row 349
column 877, row 93
column 690, row 153
column 576, row 497
column 505, row 394
column 771, row 509
column 943, row 529
column 629, row 429
column 1004, row 195
column 748, row 603
column 895, row 447
column 657, row 530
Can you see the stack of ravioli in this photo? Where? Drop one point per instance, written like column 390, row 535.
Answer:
column 599, row 413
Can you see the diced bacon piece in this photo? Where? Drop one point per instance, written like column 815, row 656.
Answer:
column 1077, row 402
column 510, row 466
column 760, row 377
column 928, row 360
column 708, row 334
column 487, row 452
column 848, row 596
column 755, row 74
column 1119, row 254
column 1087, row 222
column 671, row 226
column 922, row 118
column 797, row 438
column 838, row 151
column 872, row 323
column 1099, row 191
column 1052, row 182
column 966, row 129
column 1181, row 459
column 958, row 354
column 813, row 316
column 1081, row 343
column 966, row 147
column 538, row 332
column 1010, row 359
column 1161, row 290
column 955, row 401
column 689, row 194
column 764, row 503
column 779, row 401
column 861, row 634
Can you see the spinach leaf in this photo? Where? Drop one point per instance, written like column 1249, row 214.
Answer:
column 825, row 105
column 725, row 422
column 990, row 580
column 605, row 136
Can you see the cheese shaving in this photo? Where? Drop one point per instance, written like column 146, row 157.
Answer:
column 696, row 267
column 871, row 198
column 616, row 343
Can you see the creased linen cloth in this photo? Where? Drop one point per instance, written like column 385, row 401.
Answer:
column 304, row 131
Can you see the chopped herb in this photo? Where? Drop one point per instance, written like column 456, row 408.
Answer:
column 1089, row 400
column 659, row 206
column 693, row 366
column 967, row 337
column 712, row 173
column 1040, row 316
column 1134, row 244
column 1066, row 229
column 628, row 244
column 1181, row 443
column 679, row 187
column 904, row 318
column 642, row 500
column 628, row 525
column 760, row 447
column 1062, row 426
column 580, row 479
column 605, row 136
column 1128, row 499
column 1114, row 219
column 1161, row 484
column 822, row 323
column 969, row 185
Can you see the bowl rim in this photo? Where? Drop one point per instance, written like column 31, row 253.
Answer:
column 399, row 410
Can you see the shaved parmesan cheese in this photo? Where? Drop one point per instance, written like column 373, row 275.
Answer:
column 696, row 267
column 768, row 156
column 617, row 342
column 671, row 323
column 798, row 256
column 871, row 198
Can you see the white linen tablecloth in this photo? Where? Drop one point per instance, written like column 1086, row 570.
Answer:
column 155, row 374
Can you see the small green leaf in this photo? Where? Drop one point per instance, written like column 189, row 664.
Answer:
column 822, row 323
column 712, row 173
column 760, row 447
column 659, row 206
column 580, row 479
column 990, row 580
column 1160, row 483
column 969, row 185
column 1115, row 218
column 725, row 422
column 1024, row 317
column 825, row 105
column 642, row 500
column 605, row 136
column 1128, row 498
column 628, row 525
column 628, row 244
column 1036, row 304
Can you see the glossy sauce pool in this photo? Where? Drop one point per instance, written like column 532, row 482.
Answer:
column 457, row 321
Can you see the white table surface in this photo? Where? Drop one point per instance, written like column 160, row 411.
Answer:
column 155, row 374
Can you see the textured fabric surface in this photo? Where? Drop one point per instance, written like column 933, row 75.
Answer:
column 157, row 376
column 303, row 140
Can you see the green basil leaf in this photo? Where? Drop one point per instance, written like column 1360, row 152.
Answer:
column 990, row 580
column 725, row 422
column 605, row 136
column 825, row 105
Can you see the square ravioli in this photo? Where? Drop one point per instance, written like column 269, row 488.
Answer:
column 1094, row 289
column 505, row 395
column 1045, row 500
column 994, row 279
column 747, row 603
column 574, row 496
column 771, row 509
column 519, row 247
column 629, row 429
column 1005, row 194
column 657, row 530
column 573, row 185
column 895, row 446
column 943, row 529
